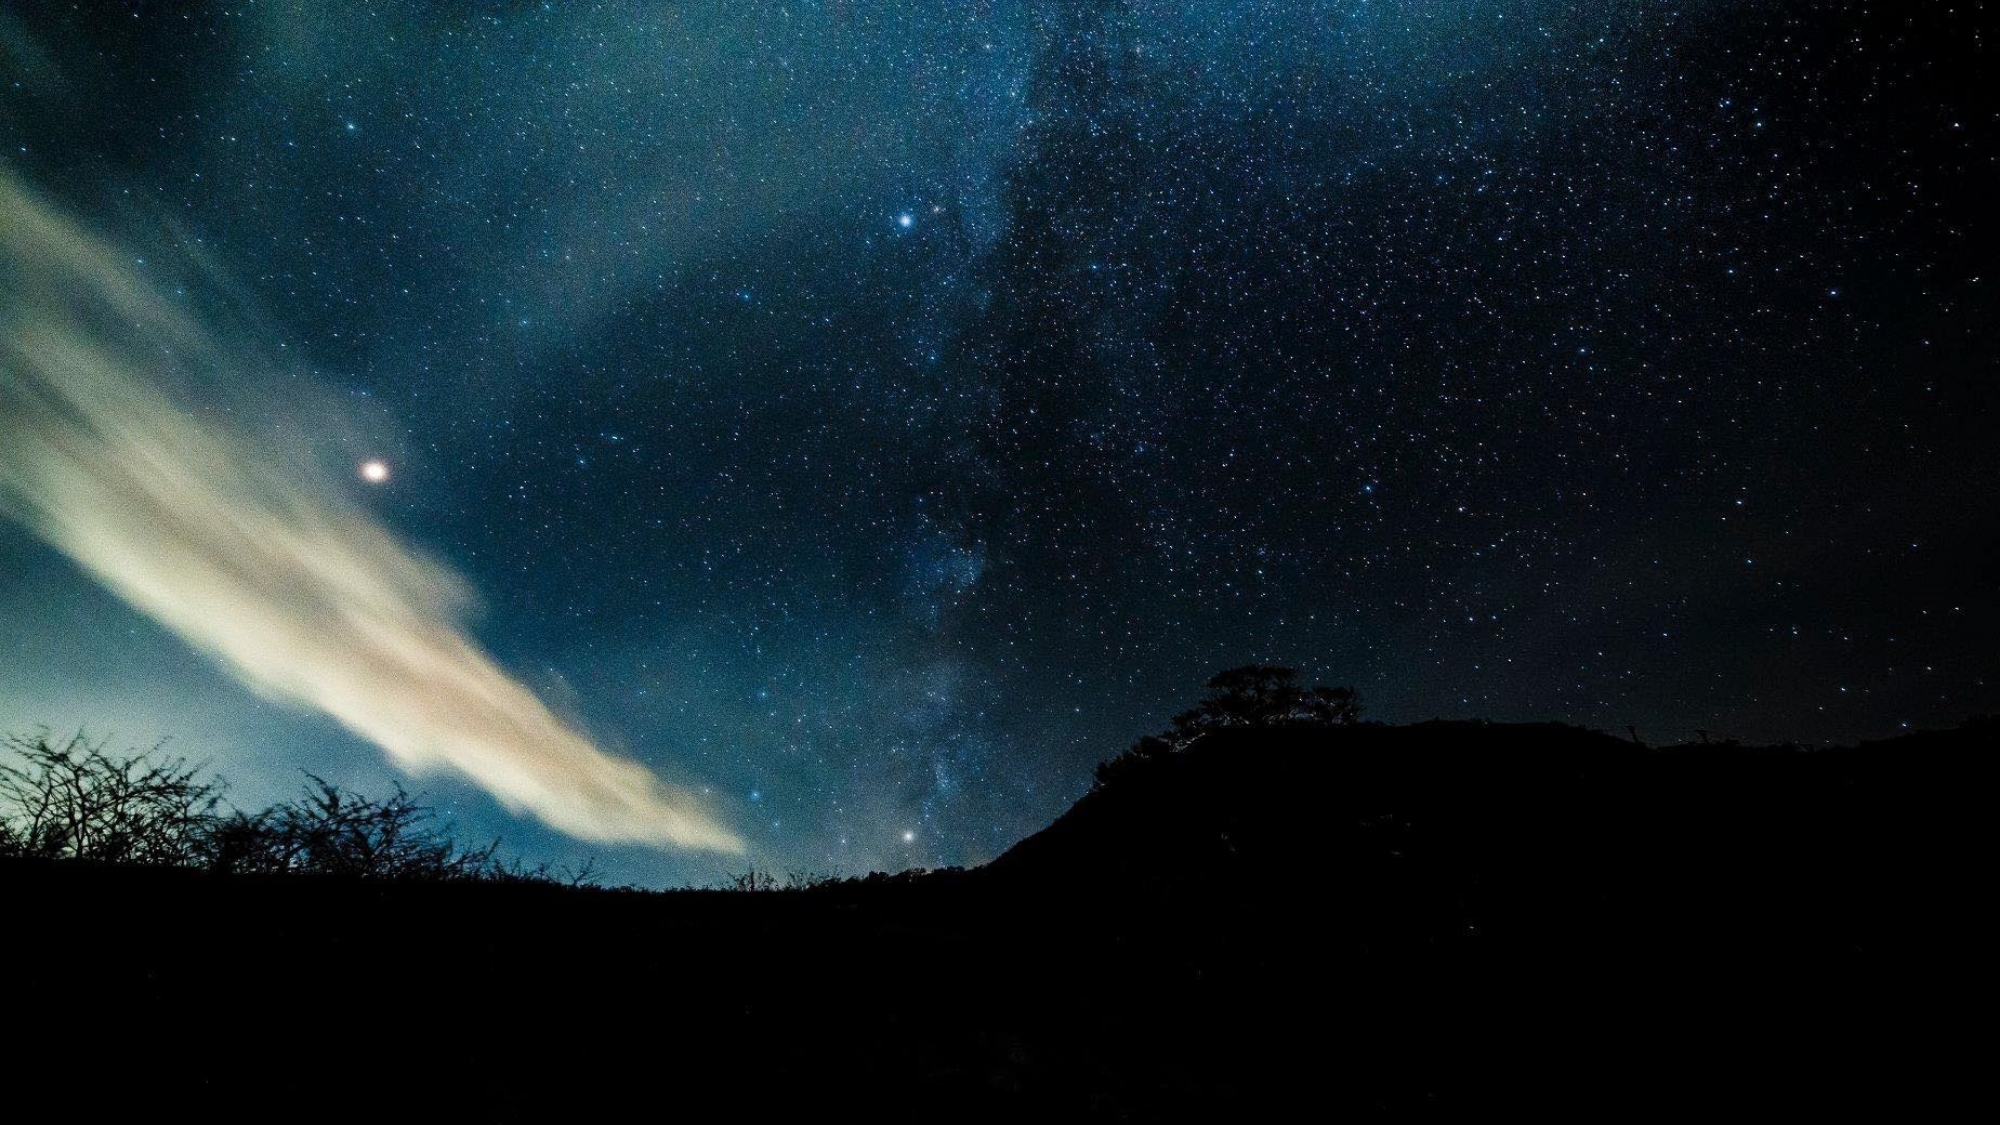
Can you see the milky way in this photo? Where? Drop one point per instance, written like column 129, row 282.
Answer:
column 881, row 412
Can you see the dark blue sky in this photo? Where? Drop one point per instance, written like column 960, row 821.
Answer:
column 871, row 415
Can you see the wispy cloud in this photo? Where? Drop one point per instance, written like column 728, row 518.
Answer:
column 255, row 560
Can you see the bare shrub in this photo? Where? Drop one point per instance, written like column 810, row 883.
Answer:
column 74, row 801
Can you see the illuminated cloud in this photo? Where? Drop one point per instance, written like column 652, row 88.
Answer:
column 250, row 557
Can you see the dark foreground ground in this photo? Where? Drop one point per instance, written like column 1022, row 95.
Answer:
column 1439, row 920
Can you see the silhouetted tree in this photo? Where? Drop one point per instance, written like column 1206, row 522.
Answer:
column 329, row 831
column 1253, row 695
column 73, row 801
column 244, row 843
column 1264, row 695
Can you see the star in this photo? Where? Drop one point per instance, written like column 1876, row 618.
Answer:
column 1192, row 366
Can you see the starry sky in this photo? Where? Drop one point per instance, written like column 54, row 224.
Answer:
column 867, row 416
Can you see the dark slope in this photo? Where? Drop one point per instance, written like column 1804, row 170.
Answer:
column 1446, row 917
column 1493, row 811
column 1546, row 916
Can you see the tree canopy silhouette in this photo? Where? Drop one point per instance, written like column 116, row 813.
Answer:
column 1265, row 695
column 1250, row 695
column 329, row 831
column 71, row 800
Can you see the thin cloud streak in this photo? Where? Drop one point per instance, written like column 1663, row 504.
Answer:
column 253, row 559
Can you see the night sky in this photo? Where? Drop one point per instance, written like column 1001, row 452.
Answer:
column 869, row 415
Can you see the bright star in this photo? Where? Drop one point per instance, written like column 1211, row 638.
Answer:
column 375, row 471
column 911, row 837
column 906, row 220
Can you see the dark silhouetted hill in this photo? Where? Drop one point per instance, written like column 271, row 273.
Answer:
column 1554, row 916
column 1520, row 807
column 1442, row 919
